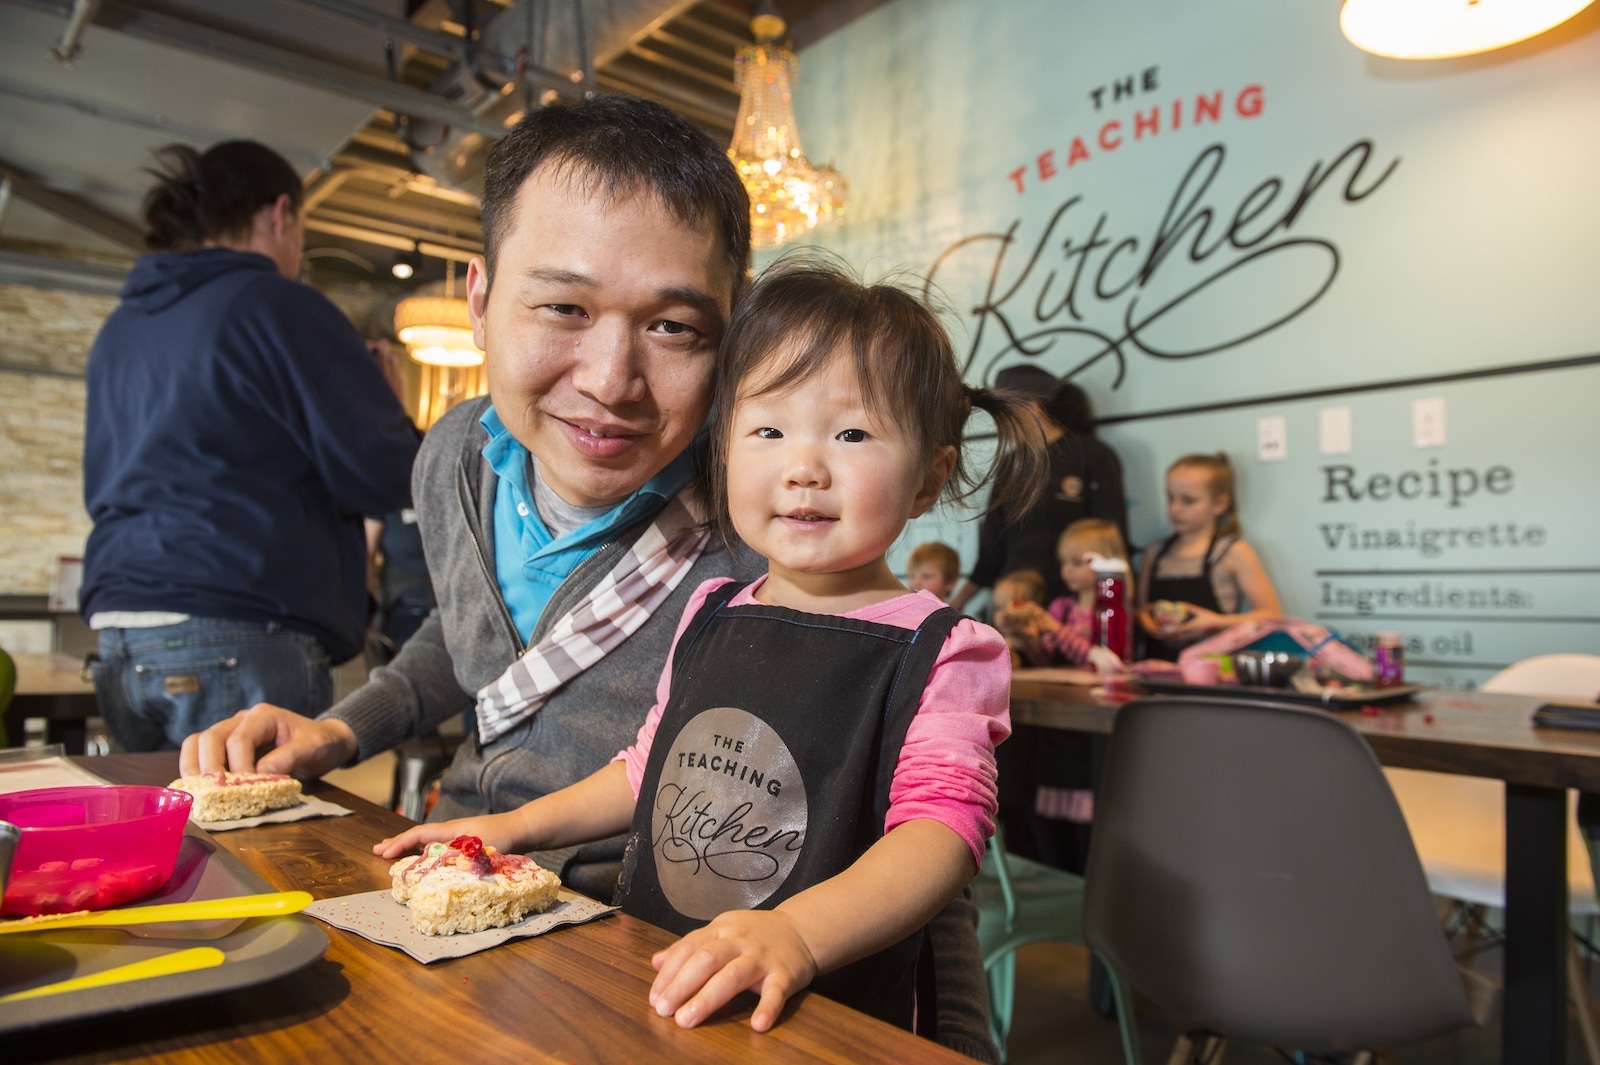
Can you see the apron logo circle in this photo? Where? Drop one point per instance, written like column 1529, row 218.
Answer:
column 729, row 814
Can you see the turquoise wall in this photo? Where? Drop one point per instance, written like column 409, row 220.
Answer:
column 1213, row 214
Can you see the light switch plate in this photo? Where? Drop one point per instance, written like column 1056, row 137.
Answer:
column 1272, row 438
column 1427, row 422
column 1333, row 430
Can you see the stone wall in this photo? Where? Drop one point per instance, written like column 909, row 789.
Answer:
column 46, row 335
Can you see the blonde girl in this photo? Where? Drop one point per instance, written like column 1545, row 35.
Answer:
column 1204, row 577
column 817, row 778
column 1063, row 632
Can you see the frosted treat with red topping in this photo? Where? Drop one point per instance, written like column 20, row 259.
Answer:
column 1169, row 614
column 224, row 796
column 463, row 886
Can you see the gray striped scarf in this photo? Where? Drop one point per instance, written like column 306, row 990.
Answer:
column 614, row 609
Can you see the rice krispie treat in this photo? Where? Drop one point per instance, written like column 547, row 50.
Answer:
column 463, row 886
column 224, row 796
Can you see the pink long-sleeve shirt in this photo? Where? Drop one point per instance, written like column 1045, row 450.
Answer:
column 946, row 771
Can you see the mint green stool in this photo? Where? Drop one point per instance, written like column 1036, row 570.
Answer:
column 1019, row 902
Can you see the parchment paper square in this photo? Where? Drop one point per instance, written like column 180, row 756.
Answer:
column 304, row 810
column 376, row 916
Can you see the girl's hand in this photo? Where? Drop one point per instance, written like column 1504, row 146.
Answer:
column 1106, row 661
column 496, row 830
column 1201, row 622
column 741, row 950
column 1020, row 619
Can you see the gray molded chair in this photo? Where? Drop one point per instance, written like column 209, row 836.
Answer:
column 1251, row 873
column 1020, row 901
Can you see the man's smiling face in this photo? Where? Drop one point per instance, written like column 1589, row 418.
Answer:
column 600, row 332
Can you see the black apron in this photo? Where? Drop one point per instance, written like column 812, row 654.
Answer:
column 1196, row 590
column 770, row 773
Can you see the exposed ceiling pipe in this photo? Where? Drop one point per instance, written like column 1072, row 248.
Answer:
column 397, row 241
column 66, row 49
column 189, row 36
column 562, row 39
column 78, row 211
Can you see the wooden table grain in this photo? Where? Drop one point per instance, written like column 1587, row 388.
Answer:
column 1472, row 734
column 573, row 995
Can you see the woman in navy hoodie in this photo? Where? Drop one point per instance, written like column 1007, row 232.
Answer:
column 237, row 430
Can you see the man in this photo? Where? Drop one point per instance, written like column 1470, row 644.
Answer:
column 236, row 431
column 616, row 239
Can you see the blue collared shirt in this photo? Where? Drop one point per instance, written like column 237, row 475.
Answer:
column 529, row 563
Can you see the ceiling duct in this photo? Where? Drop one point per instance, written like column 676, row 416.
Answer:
column 547, row 49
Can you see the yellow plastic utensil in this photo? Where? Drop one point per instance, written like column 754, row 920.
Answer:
column 182, row 961
column 271, row 904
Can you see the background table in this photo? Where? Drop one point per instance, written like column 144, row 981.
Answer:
column 575, row 994
column 1473, row 734
column 51, row 686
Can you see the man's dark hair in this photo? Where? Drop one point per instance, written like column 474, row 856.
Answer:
column 622, row 146
column 199, row 198
column 1069, row 408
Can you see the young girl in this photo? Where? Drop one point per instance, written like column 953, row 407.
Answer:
column 1060, row 771
column 1064, row 631
column 1203, row 577
column 816, row 779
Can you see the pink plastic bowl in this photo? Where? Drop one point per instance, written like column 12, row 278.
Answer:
column 91, row 848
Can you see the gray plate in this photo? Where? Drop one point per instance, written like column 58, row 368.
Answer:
column 1333, row 698
column 257, row 950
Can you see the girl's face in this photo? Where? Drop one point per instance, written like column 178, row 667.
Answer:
column 820, row 485
column 1191, row 506
column 931, row 577
column 1077, row 576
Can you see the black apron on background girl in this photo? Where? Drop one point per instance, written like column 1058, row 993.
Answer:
column 1196, row 590
column 770, row 773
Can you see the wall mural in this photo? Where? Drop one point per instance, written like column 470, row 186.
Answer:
column 1370, row 282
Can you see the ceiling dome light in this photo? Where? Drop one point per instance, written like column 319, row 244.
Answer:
column 438, row 331
column 1439, row 29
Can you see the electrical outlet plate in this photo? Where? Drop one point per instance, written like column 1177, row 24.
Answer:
column 1427, row 422
column 1333, row 430
column 1272, row 438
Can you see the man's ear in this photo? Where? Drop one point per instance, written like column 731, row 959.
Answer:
column 478, row 298
column 939, row 471
column 283, row 214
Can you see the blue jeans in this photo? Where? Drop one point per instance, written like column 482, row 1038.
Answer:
column 158, row 685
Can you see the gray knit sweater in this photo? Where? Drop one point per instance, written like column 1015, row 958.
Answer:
column 470, row 640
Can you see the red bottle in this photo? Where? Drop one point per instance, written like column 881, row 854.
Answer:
column 1113, row 623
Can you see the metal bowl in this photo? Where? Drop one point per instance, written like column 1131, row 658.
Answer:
column 1266, row 669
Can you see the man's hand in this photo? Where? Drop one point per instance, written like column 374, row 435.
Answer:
column 741, row 950
column 292, row 744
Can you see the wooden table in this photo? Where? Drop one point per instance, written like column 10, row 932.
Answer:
column 51, row 686
column 573, row 995
column 1472, row 734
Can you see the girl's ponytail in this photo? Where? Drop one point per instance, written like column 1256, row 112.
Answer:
column 1021, row 463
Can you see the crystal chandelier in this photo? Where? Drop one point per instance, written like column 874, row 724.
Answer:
column 788, row 196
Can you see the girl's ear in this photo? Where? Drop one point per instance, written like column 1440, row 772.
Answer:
column 1221, row 503
column 939, row 471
